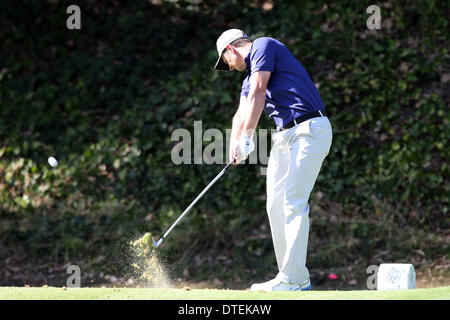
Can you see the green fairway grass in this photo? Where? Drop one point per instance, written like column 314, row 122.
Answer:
column 53, row 293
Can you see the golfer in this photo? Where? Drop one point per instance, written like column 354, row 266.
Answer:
column 278, row 84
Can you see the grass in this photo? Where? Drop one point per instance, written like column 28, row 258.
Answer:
column 54, row 293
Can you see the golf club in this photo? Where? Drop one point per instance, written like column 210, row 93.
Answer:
column 157, row 244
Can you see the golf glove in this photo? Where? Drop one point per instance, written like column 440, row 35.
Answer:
column 246, row 146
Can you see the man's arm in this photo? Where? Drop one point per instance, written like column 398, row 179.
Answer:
column 238, row 123
column 256, row 101
column 250, row 109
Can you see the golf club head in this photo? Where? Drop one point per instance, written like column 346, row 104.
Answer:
column 157, row 244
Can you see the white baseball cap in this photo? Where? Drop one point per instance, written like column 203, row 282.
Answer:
column 225, row 39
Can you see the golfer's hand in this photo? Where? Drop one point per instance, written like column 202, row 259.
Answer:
column 234, row 150
column 243, row 148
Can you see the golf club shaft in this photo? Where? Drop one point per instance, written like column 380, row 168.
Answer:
column 193, row 203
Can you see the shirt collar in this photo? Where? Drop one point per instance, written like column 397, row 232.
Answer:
column 247, row 58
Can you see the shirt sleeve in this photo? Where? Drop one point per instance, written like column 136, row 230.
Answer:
column 245, row 86
column 263, row 56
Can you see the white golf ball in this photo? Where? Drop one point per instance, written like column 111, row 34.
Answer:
column 53, row 162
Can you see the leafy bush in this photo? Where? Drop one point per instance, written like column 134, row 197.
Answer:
column 105, row 99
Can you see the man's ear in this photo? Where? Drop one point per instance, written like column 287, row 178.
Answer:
column 229, row 48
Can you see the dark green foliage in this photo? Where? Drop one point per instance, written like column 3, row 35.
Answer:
column 105, row 99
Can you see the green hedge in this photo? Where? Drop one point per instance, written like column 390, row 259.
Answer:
column 105, row 99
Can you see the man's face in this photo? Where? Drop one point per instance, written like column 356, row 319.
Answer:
column 232, row 58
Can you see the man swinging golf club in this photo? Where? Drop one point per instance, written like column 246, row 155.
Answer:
column 278, row 84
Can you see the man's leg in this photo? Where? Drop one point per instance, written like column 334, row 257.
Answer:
column 309, row 147
column 294, row 164
column 275, row 186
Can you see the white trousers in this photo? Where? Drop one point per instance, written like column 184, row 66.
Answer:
column 294, row 164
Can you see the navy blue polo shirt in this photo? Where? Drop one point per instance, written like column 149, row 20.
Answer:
column 290, row 92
